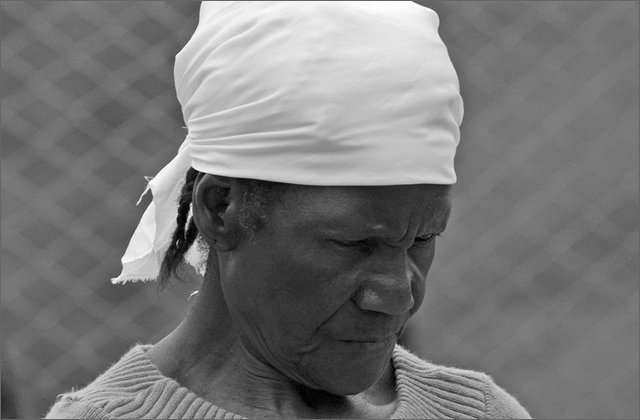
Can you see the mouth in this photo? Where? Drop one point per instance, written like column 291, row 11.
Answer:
column 374, row 345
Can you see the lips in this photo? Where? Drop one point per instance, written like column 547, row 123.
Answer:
column 380, row 335
column 368, row 344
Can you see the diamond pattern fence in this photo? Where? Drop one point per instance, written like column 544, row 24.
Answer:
column 535, row 282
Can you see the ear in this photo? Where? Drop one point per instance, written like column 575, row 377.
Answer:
column 215, row 209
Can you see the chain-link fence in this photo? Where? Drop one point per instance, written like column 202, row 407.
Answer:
column 535, row 282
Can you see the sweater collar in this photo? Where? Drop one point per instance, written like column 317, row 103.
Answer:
column 136, row 362
column 423, row 389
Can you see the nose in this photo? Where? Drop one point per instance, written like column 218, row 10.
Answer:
column 387, row 287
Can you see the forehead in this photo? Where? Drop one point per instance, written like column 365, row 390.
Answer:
column 369, row 206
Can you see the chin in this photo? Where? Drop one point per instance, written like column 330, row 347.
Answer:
column 345, row 375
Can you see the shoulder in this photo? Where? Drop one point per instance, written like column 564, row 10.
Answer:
column 69, row 406
column 112, row 393
column 426, row 389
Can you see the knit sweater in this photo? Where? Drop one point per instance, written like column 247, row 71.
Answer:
column 134, row 388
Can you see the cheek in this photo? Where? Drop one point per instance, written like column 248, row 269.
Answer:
column 286, row 289
column 311, row 281
column 279, row 298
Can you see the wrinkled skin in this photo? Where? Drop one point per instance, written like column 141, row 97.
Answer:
column 332, row 269
column 314, row 300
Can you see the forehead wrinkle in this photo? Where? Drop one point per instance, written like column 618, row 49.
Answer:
column 346, row 212
column 433, row 218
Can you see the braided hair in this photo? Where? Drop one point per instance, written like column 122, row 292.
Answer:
column 185, row 235
column 256, row 197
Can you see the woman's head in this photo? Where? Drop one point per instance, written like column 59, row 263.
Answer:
column 331, row 128
column 322, row 289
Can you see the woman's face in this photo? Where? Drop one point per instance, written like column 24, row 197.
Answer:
column 328, row 282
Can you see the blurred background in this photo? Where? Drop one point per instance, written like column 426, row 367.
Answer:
column 535, row 282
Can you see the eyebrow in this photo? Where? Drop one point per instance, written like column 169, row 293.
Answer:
column 349, row 227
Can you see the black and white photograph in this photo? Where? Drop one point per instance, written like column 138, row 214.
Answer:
column 320, row 209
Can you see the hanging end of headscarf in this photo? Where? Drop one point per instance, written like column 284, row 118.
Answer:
column 151, row 239
column 124, row 279
column 139, row 262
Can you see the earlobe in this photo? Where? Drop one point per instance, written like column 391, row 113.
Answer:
column 214, row 210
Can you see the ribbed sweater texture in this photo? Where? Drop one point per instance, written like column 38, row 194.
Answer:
column 134, row 388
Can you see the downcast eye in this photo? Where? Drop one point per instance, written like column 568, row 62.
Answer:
column 425, row 239
column 358, row 243
column 363, row 245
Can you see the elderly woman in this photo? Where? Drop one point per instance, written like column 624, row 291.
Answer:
column 309, row 192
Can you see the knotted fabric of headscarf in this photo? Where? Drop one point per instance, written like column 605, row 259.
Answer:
column 311, row 93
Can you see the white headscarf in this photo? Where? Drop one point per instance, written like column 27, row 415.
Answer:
column 312, row 93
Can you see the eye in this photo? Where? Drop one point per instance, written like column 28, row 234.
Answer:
column 425, row 239
column 363, row 245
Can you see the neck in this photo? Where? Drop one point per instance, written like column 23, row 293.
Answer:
column 204, row 354
column 203, row 341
